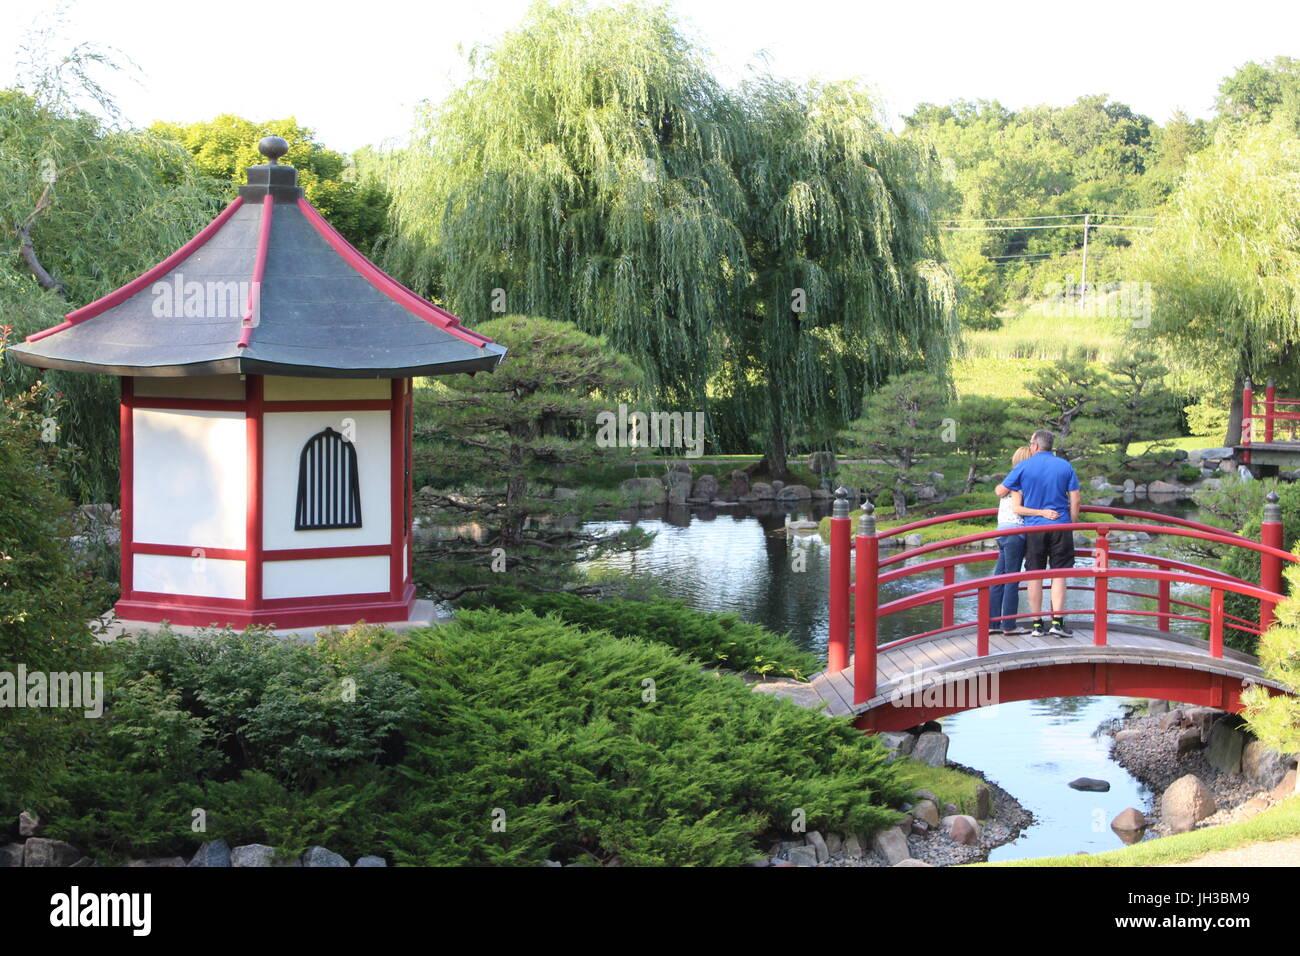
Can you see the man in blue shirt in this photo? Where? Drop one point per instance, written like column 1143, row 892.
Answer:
column 1049, row 487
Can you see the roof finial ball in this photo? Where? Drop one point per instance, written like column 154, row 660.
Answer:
column 272, row 147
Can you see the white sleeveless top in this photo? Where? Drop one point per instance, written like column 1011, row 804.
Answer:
column 1007, row 518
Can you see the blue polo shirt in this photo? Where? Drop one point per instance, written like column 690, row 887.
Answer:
column 1044, row 481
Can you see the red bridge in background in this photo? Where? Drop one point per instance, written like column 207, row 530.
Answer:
column 952, row 667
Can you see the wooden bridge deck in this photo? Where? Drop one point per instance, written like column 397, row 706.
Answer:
column 951, row 657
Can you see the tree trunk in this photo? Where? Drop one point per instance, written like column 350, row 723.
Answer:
column 1235, row 413
column 778, row 466
column 900, row 498
column 970, row 479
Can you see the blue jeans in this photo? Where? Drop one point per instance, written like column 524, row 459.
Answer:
column 1004, row 599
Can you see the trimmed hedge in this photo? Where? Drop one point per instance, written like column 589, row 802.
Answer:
column 539, row 741
column 716, row 640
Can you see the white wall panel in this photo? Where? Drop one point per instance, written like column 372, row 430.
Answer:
column 322, row 576
column 206, row 577
column 190, row 478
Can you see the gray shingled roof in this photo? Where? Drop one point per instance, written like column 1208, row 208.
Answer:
column 319, row 315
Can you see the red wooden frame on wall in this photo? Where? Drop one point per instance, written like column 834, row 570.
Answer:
column 394, row 604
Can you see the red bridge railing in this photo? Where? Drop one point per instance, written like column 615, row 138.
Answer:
column 1270, row 412
column 858, row 570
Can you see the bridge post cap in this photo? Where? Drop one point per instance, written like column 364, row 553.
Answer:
column 1272, row 497
column 841, row 508
column 1269, row 383
column 1248, row 383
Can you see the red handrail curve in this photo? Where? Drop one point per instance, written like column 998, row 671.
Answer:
column 1094, row 509
column 1164, row 571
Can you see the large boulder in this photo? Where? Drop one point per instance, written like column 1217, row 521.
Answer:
column 1263, row 765
column 762, row 491
column 739, row 484
column 1129, row 820
column 794, row 493
column 677, row 486
column 706, row 488
column 371, row 861
column 898, row 741
column 931, row 749
column 1287, row 788
column 1091, row 784
column 891, row 845
column 1189, row 741
column 38, row 851
column 927, row 811
column 254, row 854
column 215, row 853
column 645, row 489
column 912, row 862
column 11, row 854
column 983, row 801
column 1223, row 750
column 29, row 824
column 818, row 843
column 802, row 856
column 963, row 829
column 319, row 856
column 1185, row 803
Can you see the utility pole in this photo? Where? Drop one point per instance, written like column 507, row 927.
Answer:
column 1083, row 286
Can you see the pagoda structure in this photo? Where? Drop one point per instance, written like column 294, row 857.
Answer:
column 267, row 371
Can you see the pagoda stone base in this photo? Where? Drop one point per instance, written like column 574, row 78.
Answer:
column 134, row 617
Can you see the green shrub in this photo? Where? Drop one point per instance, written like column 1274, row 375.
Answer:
column 1188, row 473
column 717, row 640
column 296, row 711
column 541, row 740
column 44, row 602
column 276, row 741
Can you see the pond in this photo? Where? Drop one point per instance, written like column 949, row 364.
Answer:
column 741, row 560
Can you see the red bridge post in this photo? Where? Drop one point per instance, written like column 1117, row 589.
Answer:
column 1162, row 598
column 837, row 647
column 867, row 602
column 1269, row 395
column 1270, row 566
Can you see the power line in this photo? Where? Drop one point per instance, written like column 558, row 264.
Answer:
column 1074, row 215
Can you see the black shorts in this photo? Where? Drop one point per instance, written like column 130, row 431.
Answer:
column 1049, row 549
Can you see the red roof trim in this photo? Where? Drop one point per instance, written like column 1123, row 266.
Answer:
column 387, row 284
column 77, row 316
column 259, row 271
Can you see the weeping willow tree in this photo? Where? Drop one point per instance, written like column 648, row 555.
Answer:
column 581, row 174
column 845, row 284
column 593, row 170
column 1224, row 264
column 85, row 206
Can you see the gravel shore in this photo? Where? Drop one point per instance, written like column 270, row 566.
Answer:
column 1154, row 760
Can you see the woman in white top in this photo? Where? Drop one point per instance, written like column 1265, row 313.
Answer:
column 1004, row 599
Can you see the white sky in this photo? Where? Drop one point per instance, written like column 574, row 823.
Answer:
column 355, row 71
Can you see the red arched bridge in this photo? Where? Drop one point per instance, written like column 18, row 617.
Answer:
column 961, row 665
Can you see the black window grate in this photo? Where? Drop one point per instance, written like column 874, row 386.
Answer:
column 329, row 490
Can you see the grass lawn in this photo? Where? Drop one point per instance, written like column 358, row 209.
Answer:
column 1276, row 823
column 949, row 785
column 1186, row 442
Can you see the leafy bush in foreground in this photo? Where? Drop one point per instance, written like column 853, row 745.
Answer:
column 717, row 640
column 276, row 741
column 558, row 734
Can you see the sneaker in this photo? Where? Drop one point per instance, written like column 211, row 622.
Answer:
column 1058, row 628
column 1037, row 629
